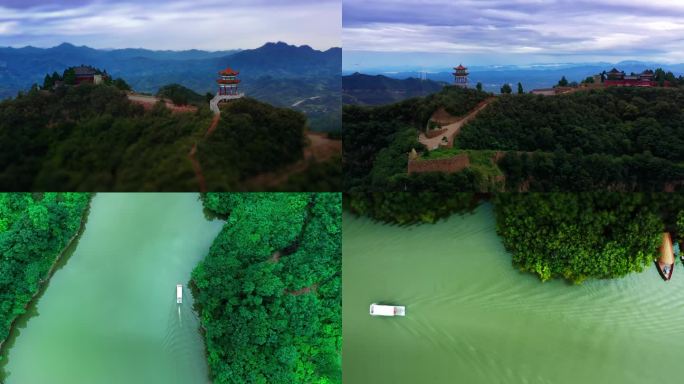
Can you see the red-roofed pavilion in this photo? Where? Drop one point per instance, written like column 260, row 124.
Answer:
column 228, row 82
column 461, row 76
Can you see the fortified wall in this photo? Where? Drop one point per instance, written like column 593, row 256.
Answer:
column 446, row 165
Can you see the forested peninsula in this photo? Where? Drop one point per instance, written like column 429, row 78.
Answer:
column 269, row 291
column 35, row 229
column 573, row 236
column 616, row 138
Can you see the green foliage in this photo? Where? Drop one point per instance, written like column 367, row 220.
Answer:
column 34, row 230
column 586, row 235
column 409, row 208
column 121, row 84
column 479, row 86
column 617, row 134
column 48, row 83
column 251, row 138
column 382, row 136
column 520, row 89
column 92, row 138
column 269, row 291
column 506, row 89
column 69, row 76
column 563, row 82
column 319, row 176
column 180, row 95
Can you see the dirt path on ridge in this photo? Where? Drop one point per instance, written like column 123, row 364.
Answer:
column 453, row 128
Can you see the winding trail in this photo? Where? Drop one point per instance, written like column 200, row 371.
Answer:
column 192, row 155
column 148, row 103
column 320, row 149
column 453, row 128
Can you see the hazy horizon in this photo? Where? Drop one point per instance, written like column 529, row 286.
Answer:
column 438, row 33
column 162, row 50
column 178, row 25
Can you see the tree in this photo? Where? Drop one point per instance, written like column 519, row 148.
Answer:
column 69, row 76
column 121, row 84
column 506, row 89
column 479, row 86
column 520, row 89
column 48, row 83
column 563, row 82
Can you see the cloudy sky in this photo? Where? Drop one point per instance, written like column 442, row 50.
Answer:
column 485, row 32
column 170, row 24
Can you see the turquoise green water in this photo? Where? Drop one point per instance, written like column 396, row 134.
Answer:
column 109, row 314
column 472, row 318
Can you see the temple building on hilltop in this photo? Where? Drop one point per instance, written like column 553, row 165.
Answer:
column 619, row 79
column 228, row 82
column 88, row 74
column 461, row 76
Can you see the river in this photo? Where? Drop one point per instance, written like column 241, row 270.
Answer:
column 473, row 318
column 109, row 313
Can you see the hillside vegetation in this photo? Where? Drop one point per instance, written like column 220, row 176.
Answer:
column 571, row 236
column 34, row 230
column 586, row 235
column 377, row 140
column 269, row 291
column 91, row 137
column 619, row 138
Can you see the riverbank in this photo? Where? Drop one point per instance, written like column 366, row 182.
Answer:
column 113, row 304
column 69, row 247
column 471, row 315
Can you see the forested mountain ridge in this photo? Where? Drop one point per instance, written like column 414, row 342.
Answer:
column 269, row 291
column 617, row 138
column 277, row 73
column 35, row 229
column 377, row 140
column 91, row 137
column 377, row 90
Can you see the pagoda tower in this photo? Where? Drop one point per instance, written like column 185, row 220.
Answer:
column 461, row 76
column 228, row 82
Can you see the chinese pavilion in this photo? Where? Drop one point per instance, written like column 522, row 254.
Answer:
column 461, row 76
column 228, row 82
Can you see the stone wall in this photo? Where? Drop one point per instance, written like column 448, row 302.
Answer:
column 434, row 132
column 446, row 165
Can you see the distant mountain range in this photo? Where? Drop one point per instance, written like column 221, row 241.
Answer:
column 375, row 90
column 300, row 72
column 531, row 76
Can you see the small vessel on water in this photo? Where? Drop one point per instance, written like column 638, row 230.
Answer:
column 179, row 293
column 387, row 310
column 665, row 264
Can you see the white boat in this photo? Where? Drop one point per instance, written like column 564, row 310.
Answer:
column 387, row 310
column 179, row 293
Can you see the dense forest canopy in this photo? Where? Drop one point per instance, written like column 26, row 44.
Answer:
column 269, row 292
column 573, row 236
column 618, row 138
column 586, row 235
column 34, row 231
column 616, row 121
column 91, row 137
